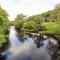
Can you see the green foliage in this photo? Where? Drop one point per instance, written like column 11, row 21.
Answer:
column 3, row 13
column 47, row 22
column 19, row 22
column 52, row 16
column 30, row 26
column 2, row 40
column 52, row 28
column 4, row 24
column 33, row 23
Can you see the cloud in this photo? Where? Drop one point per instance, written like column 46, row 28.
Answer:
column 28, row 7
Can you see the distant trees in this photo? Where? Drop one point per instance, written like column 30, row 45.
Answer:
column 57, row 5
column 33, row 24
column 19, row 23
column 52, row 15
column 48, row 22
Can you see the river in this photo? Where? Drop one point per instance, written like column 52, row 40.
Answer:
column 26, row 50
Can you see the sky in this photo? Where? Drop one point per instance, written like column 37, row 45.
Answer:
column 27, row 7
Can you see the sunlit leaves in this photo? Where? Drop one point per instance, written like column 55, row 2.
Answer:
column 4, row 23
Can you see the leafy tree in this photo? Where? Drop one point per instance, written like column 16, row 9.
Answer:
column 51, row 18
column 52, row 28
column 3, row 13
column 19, row 22
column 4, row 23
column 30, row 26
column 34, row 23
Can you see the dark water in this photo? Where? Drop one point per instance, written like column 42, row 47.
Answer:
column 26, row 50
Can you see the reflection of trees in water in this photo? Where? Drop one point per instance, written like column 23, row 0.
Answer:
column 33, row 51
column 30, row 52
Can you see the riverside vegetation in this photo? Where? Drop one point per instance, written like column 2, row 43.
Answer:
column 47, row 22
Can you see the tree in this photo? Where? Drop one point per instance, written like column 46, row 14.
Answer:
column 3, row 13
column 4, row 24
column 30, row 26
column 34, row 23
column 19, row 22
column 48, row 22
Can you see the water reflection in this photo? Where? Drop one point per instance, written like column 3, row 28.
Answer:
column 29, row 41
column 13, row 39
column 17, row 47
column 24, row 51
